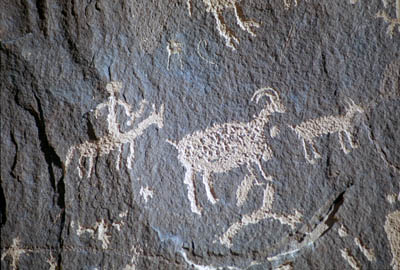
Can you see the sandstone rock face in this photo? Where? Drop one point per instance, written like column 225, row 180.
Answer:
column 213, row 134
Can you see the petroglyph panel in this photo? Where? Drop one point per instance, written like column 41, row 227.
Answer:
column 222, row 148
column 115, row 140
column 95, row 92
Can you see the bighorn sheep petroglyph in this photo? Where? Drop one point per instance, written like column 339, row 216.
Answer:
column 216, row 7
column 114, row 139
column 224, row 147
column 340, row 124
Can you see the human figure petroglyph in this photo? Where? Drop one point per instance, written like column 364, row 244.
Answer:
column 216, row 7
column 114, row 139
column 224, row 147
column 311, row 129
column 15, row 252
column 393, row 22
column 101, row 229
column 264, row 212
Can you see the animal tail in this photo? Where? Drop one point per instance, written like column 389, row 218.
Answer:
column 68, row 158
column 160, row 115
column 172, row 143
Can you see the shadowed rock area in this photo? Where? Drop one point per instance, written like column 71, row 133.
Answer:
column 200, row 134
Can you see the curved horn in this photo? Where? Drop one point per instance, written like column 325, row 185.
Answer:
column 264, row 92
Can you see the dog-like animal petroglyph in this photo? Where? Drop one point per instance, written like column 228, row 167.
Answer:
column 114, row 139
column 216, row 7
column 264, row 212
column 224, row 147
column 340, row 124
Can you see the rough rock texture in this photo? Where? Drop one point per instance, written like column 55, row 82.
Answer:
column 200, row 134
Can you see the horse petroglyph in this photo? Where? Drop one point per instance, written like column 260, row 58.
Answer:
column 216, row 7
column 264, row 212
column 224, row 147
column 340, row 124
column 114, row 139
column 393, row 22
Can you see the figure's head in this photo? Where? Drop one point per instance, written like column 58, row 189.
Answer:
column 267, row 154
column 352, row 107
column 113, row 87
column 275, row 104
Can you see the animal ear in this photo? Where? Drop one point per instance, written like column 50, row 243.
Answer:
column 349, row 102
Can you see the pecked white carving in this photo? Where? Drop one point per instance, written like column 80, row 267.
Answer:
column 264, row 212
column 114, row 139
column 224, row 147
column 216, row 7
column 341, row 124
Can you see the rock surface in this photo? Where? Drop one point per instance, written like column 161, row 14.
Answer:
column 214, row 134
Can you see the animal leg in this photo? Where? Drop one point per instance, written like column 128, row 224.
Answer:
column 342, row 145
column 224, row 31
column 268, row 178
column 189, row 182
column 131, row 155
column 118, row 160
column 351, row 139
column 316, row 154
column 208, row 185
column 244, row 189
column 244, row 24
column 80, row 167
column 89, row 171
column 307, row 155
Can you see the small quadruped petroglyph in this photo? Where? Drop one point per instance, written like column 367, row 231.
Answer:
column 114, row 139
column 216, row 7
column 224, row 147
column 311, row 129
column 264, row 212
